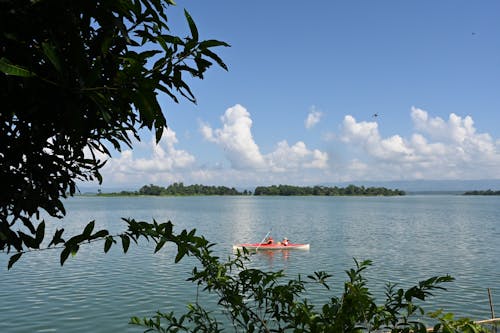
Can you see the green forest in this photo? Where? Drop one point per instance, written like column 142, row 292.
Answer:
column 179, row 189
column 350, row 190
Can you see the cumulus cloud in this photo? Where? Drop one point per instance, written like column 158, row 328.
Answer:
column 438, row 150
column 450, row 148
column 235, row 137
column 313, row 118
column 366, row 134
column 286, row 157
column 455, row 130
column 163, row 162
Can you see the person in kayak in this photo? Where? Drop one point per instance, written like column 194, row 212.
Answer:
column 269, row 240
column 284, row 242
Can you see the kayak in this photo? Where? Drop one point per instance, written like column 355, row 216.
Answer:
column 275, row 246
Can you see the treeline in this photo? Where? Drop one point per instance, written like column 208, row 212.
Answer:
column 178, row 189
column 487, row 192
column 326, row 191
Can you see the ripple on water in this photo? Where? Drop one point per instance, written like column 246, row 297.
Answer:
column 408, row 239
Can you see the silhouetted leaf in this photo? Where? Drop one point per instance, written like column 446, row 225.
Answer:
column 125, row 242
column 13, row 259
column 107, row 244
column 40, row 232
column 192, row 26
column 88, row 229
column 181, row 252
column 57, row 237
column 160, row 244
column 100, row 234
column 64, row 255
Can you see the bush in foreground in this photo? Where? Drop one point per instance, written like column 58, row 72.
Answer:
column 253, row 300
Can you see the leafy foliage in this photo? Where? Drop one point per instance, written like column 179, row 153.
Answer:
column 448, row 324
column 77, row 77
column 257, row 301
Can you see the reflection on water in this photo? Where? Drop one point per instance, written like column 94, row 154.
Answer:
column 408, row 238
column 270, row 256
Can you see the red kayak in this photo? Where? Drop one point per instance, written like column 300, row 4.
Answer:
column 274, row 246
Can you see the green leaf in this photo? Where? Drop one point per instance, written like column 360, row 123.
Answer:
column 13, row 259
column 192, row 26
column 50, row 52
column 74, row 250
column 8, row 68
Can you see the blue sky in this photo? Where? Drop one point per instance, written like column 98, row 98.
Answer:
column 305, row 80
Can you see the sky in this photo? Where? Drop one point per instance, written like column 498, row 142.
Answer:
column 322, row 92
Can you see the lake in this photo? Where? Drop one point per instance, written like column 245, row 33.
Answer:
column 408, row 238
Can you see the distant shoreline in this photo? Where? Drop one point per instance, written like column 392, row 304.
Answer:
column 487, row 192
column 179, row 189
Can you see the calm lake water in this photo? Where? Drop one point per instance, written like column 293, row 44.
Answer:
column 408, row 239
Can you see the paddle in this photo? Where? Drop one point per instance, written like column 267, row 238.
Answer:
column 262, row 241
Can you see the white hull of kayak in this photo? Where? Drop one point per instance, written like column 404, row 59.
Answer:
column 272, row 247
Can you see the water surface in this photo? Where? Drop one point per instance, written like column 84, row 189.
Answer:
column 408, row 239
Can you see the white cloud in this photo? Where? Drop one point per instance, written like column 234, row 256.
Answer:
column 163, row 164
column 366, row 134
column 359, row 132
column 455, row 130
column 287, row 158
column 438, row 150
column 235, row 137
column 313, row 118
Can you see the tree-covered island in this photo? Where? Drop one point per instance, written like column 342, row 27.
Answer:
column 179, row 189
column 350, row 190
column 487, row 192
